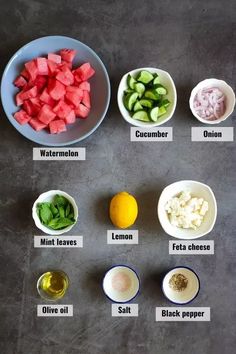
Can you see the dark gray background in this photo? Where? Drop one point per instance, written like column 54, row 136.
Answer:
column 193, row 40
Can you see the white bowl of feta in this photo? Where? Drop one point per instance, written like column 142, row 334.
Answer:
column 187, row 209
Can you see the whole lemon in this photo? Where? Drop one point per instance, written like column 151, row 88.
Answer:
column 123, row 210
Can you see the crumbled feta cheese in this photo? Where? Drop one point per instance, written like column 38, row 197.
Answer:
column 185, row 211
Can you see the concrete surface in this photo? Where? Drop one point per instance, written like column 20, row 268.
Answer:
column 192, row 40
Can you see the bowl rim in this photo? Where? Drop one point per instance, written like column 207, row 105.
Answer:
column 193, row 93
column 183, row 303
column 140, row 124
column 45, row 229
column 39, row 141
column 125, row 266
column 214, row 202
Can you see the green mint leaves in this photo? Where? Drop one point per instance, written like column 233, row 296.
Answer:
column 56, row 215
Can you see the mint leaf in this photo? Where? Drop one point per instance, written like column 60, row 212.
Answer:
column 61, row 211
column 45, row 213
column 68, row 208
column 60, row 223
column 59, row 200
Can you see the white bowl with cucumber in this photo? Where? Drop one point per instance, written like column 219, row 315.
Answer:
column 147, row 97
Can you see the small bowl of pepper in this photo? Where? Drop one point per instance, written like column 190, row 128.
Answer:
column 181, row 285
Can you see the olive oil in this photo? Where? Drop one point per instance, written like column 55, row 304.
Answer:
column 53, row 285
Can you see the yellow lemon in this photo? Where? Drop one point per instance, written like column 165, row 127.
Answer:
column 123, row 210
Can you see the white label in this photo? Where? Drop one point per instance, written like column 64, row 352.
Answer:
column 151, row 134
column 59, row 154
column 213, row 134
column 55, row 310
column 117, row 237
column 172, row 314
column 62, row 241
column 191, row 247
column 118, row 310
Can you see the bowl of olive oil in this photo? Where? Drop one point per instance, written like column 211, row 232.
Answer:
column 53, row 285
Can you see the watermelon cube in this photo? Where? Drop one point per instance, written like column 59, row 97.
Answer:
column 31, row 93
column 86, row 99
column 57, row 126
column 68, row 54
column 46, row 114
column 66, row 63
column 36, row 124
column 85, row 71
column 62, row 109
column 52, row 67
column 40, row 82
column 19, row 100
column 20, row 81
column 70, row 118
column 25, row 74
column 81, row 111
column 46, row 98
column 30, row 109
column 54, row 57
column 42, row 66
column 85, row 86
column 56, row 89
column 65, row 76
column 22, row 117
column 32, row 69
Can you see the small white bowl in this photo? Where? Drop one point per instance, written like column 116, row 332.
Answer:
column 185, row 296
column 48, row 197
column 116, row 295
column 166, row 80
column 197, row 189
column 229, row 101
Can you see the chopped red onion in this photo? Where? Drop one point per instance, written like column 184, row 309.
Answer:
column 209, row 103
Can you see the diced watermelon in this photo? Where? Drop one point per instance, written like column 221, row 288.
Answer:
column 54, row 57
column 81, row 111
column 65, row 76
column 31, row 93
column 36, row 124
column 31, row 109
column 20, row 82
column 46, row 98
column 32, row 69
column 85, row 86
column 68, row 54
column 62, row 109
column 19, row 100
column 22, row 117
column 86, row 99
column 85, row 71
column 77, row 77
column 42, row 66
column 40, row 82
column 46, row 114
column 25, row 74
column 56, row 89
column 70, row 118
column 52, row 67
column 57, row 126
column 74, row 97
column 68, row 64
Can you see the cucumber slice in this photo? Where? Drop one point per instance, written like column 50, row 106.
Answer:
column 152, row 94
column 141, row 115
column 140, row 88
column 131, row 81
column 162, row 110
column 127, row 91
column 130, row 100
column 165, row 103
column 137, row 107
column 146, row 103
column 160, row 89
column 145, row 77
column 154, row 114
column 156, row 79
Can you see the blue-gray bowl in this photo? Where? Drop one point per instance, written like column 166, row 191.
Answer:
column 100, row 90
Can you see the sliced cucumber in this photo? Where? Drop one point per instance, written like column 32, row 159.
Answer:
column 156, row 79
column 152, row 94
column 146, row 103
column 131, row 81
column 162, row 110
column 154, row 114
column 141, row 115
column 145, row 77
column 130, row 100
column 160, row 89
column 128, row 90
column 140, row 88
column 137, row 106
column 165, row 103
